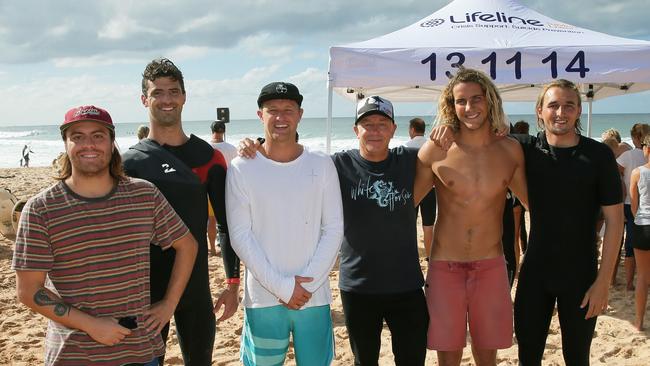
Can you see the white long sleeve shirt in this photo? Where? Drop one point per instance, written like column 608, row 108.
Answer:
column 630, row 160
column 285, row 219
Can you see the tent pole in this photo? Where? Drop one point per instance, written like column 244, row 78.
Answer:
column 589, row 117
column 590, row 99
column 328, row 123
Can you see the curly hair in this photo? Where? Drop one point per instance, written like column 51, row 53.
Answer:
column 559, row 83
column 446, row 108
column 158, row 68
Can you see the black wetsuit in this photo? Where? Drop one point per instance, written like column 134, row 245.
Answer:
column 187, row 175
column 508, row 237
column 380, row 275
column 566, row 188
column 523, row 233
column 428, row 208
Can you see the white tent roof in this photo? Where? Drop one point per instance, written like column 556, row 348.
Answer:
column 518, row 47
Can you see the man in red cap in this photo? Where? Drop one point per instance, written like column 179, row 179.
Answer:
column 89, row 235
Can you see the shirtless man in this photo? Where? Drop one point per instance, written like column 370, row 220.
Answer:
column 467, row 271
column 570, row 177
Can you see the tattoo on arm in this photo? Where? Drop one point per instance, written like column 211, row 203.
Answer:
column 44, row 297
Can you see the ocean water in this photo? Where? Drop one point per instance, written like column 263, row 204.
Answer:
column 46, row 144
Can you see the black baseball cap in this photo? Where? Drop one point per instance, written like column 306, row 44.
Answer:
column 279, row 90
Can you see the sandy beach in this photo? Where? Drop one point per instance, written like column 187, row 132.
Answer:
column 22, row 331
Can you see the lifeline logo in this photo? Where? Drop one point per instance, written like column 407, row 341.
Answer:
column 479, row 16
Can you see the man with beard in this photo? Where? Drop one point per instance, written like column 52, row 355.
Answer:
column 187, row 170
column 82, row 253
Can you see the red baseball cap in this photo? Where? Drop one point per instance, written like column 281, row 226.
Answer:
column 87, row 113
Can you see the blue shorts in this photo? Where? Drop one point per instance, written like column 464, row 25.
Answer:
column 265, row 338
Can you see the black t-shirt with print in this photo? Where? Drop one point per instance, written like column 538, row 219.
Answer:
column 379, row 254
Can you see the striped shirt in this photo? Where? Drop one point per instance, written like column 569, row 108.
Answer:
column 96, row 255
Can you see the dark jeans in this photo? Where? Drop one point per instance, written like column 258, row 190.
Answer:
column 405, row 314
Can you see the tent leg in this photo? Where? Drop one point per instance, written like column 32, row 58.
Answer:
column 589, row 117
column 328, row 125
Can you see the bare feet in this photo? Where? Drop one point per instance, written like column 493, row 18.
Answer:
column 638, row 325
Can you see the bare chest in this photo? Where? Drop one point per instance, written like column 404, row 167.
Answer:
column 475, row 173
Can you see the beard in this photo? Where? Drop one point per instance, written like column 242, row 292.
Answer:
column 561, row 130
column 165, row 119
column 93, row 167
column 90, row 169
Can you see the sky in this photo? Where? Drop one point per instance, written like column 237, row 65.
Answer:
column 55, row 55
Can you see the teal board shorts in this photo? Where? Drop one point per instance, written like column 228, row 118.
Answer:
column 265, row 338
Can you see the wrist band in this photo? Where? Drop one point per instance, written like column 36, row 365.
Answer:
column 232, row 281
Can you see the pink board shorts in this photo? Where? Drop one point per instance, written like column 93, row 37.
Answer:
column 474, row 292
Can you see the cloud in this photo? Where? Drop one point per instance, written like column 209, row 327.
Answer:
column 52, row 30
column 52, row 49
column 95, row 61
column 209, row 20
column 265, row 46
column 623, row 18
column 56, row 94
column 36, row 31
column 123, row 27
column 183, row 53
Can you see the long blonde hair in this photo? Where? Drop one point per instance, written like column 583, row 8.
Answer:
column 447, row 112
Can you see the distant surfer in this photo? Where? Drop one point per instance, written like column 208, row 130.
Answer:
column 25, row 160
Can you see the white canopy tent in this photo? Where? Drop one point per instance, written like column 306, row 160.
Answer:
column 519, row 48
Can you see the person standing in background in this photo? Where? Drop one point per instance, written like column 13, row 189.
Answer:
column 218, row 141
column 620, row 147
column 229, row 152
column 627, row 162
column 640, row 205
column 427, row 206
column 142, row 132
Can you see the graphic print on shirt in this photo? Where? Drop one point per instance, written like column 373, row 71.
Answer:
column 384, row 193
column 168, row 168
